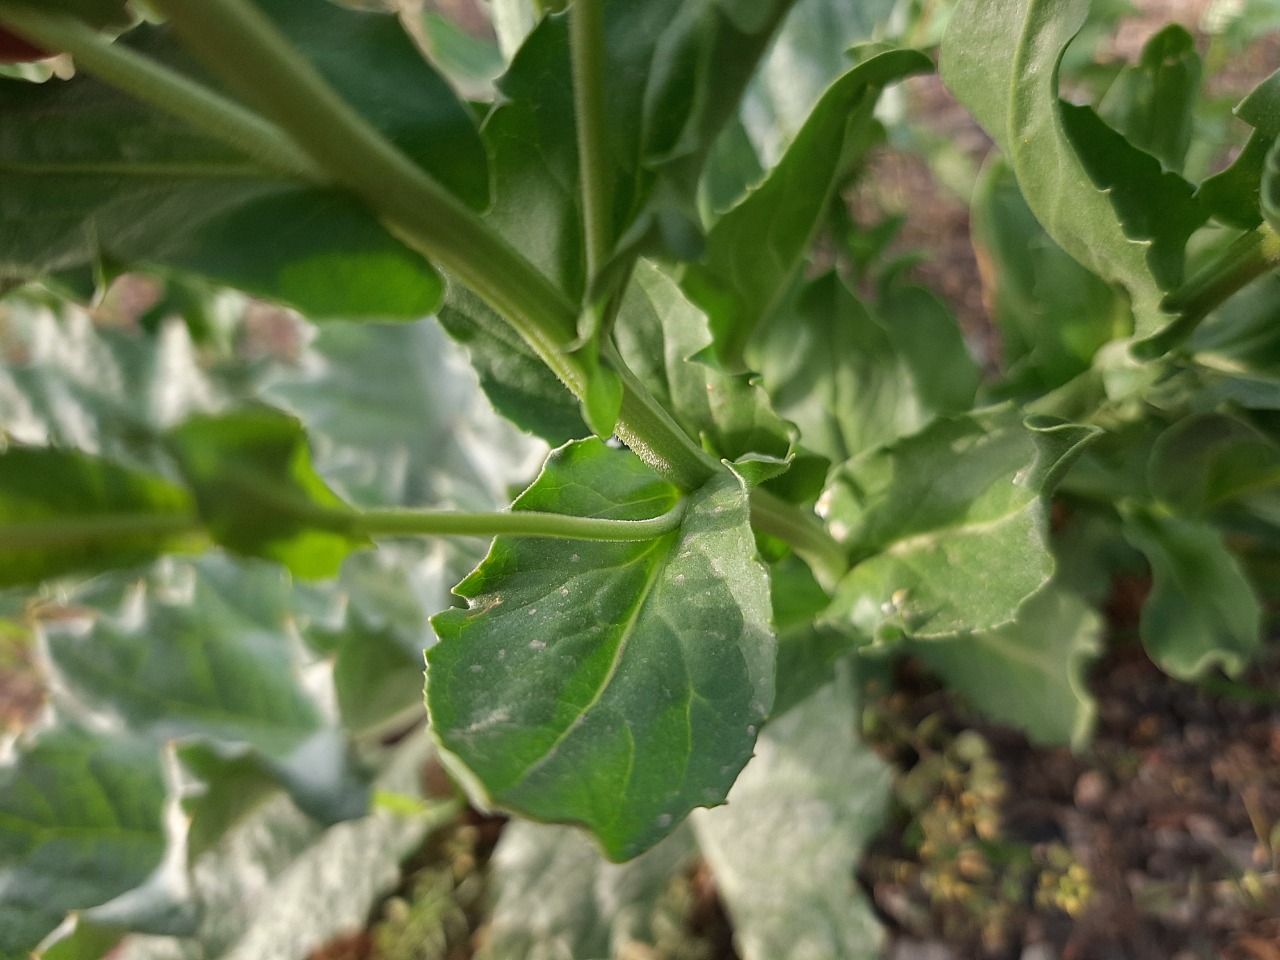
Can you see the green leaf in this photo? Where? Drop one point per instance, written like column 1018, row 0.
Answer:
column 90, row 175
column 63, row 512
column 807, row 650
column 517, row 382
column 99, row 14
column 755, row 249
column 396, row 418
column 83, row 824
column 1086, row 184
column 281, row 885
column 659, row 331
column 809, row 51
column 1152, row 102
column 676, row 71
column 375, row 65
column 471, row 62
column 258, row 493
column 1269, row 190
column 1233, row 196
column 784, row 851
column 854, row 378
column 1261, row 108
column 615, row 685
column 70, row 380
column 948, row 527
column 1031, row 674
column 1205, row 461
column 559, row 899
column 227, row 682
column 1053, row 315
column 1202, row 611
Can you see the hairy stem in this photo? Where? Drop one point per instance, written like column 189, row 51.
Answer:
column 586, row 24
column 207, row 111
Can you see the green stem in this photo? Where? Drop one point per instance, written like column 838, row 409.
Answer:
column 397, row 523
column 586, row 24
column 215, row 115
column 653, row 434
column 242, row 46
column 1247, row 258
column 804, row 532
column 60, row 533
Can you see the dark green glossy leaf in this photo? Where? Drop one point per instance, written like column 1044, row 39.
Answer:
column 948, row 528
column 1052, row 313
column 755, row 249
column 854, row 378
column 227, row 683
column 1206, row 461
column 258, row 493
column 83, row 822
column 1202, row 611
column 1000, row 58
column 557, row 897
column 63, row 512
column 1032, row 673
column 784, row 850
column 614, row 685
column 659, row 331
column 1152, row 102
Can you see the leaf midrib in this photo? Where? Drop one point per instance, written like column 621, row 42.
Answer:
column 623, row 644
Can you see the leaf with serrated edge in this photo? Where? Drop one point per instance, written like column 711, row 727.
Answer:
column 614, row 685
column 1000, row 58
column 949, row 527
column 785, row 848
column 558, row 897
column 1202, row 611
column 755, row 249
column 1032, row 673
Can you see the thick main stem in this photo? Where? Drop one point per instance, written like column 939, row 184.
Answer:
column 241, row 45
column 586, row 24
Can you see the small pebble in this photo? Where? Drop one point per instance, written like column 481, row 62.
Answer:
column 1091, row 790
